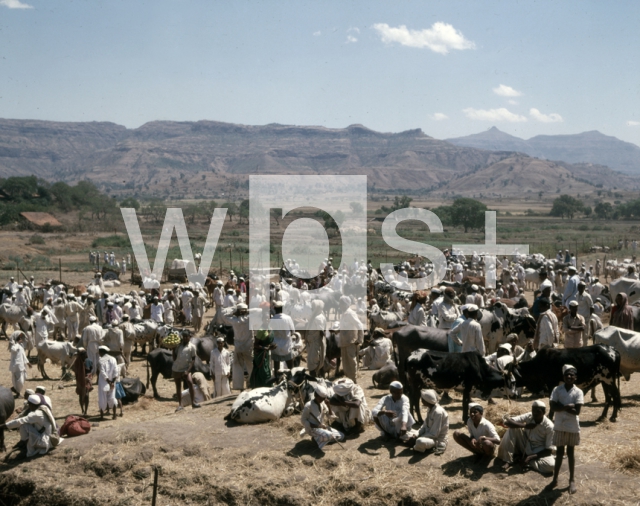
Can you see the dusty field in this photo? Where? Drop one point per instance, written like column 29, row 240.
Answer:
column 204, row 460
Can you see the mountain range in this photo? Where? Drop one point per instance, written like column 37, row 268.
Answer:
column 587, row 147
column 205, row 159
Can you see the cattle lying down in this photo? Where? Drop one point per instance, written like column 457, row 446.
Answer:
column 595, row 364
column 270, row 403
column 627, row 343
column 383, row 377
column 468, row 370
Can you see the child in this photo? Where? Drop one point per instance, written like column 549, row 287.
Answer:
column 566, row 400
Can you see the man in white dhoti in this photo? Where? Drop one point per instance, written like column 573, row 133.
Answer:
column 316, row 417
column 391, row 415
column 198, row 303
column 18, row 363
column 529, row 440
column 72, row 311
column 238, row 318
column 108, row 375
column 38, row 430
column 220, row 368
column 434, row 430
column 350, row 338
column 91, row 338
column 375, row 355
column 350, row 405
column 316, row 343
column 186, row 297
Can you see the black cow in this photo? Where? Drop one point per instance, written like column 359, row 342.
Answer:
column 161, row 361
column 7, row 405
column 469, row 370
column 595, row 364
column 333, row 352
column 410, row 338
column 383, row 377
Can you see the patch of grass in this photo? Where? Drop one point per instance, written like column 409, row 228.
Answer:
column 36, row 239
column 111, row 241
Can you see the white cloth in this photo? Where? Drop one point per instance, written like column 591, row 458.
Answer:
column 548, row 330
column 393, row 426
column 185, row 356
column 220, row 367
column 529, row 442
column 485, row 428
column 471, row 335
column 434, row 430
column 18, row 367
column 35, row 428
column 376, row 355
column 108, row 369
column 283, row 327
column 318, row 414
column 562, row 420
column 349, row 416
column 91, row 339
column 417, row 316
column 157, row 312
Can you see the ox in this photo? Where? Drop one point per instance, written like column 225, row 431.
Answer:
column 384, row 318
column 410, row 338
column 627, row 343
column 468, row 370
column 595, row 364
column 629, row 286
column 383, row 377
column 160, row 361
column 500, row 321
column 268, row 403
column 63, row 353
column 7, row 405
column 12, row 314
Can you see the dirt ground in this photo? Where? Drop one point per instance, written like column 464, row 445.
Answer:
column 204, row 460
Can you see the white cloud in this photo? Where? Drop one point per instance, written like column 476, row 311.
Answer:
column 545, row 118
column 15, row 4
column 351, row 38
column 317, row 34
column 353, row 29
column 632, row 123
column 500, row 114
column 440, row 38
column 438, row 116
column 512, row 102
column 506, row 91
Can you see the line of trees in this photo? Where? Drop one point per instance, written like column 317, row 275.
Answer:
column 566, row 206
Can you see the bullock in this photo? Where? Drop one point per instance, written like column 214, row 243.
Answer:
column 410, row 338
column 500, row 321
column 595, row 364
column 531, row 279
column 627, row 343
column 268, row 403
column 383, row 377
column 384, row 318
column 7, row 405
column 160, row 361
column 63, row 353
column 148, row 331
column 629, row 286
column 12, row 314
column 468, row 370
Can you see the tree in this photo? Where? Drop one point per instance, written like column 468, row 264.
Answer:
column 276, row 214
column 356, row 207
column 566, row 206
column 232, row 209
column 401, row 202
column 156, row 210
column 603, row 210
column 468, row 213
column 130, row 202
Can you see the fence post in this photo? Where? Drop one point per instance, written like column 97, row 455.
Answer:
column 155, row 486
column 60, row 268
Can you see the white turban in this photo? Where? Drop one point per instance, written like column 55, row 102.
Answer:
column 321, row 391
column 396, row 384
column 34, row 399
column 343, row 387
column 429, row 396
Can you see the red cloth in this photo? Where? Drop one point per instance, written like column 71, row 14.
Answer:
column 75, row 426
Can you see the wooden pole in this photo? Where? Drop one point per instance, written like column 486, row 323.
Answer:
column 155, row 486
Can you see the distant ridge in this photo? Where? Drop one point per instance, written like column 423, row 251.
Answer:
column 587, row 147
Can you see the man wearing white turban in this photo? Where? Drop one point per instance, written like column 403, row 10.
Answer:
column 316, row 344
column 349, row 405
column 376, row 355
column 434, row 431
column 37, row 427
column 529, row 440
column 351, row 337
column 316, row 418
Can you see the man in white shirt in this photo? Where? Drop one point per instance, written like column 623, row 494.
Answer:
column 434, row 431
column 316, row 418
column 571, row 287
column 391, row 415
column 220, row 368
column 447, row 310
column 547, row 332
column 471, row 332
column 108, row 376
column 350, row 339
column 375, row 355
column 157, row 311
column 483, row 437
column 238, row 318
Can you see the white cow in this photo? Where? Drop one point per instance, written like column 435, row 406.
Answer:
column 627, row 342
column 63, row 353
column 531, row 279
column 384, row 318
column 624, row 285
column 12, row 314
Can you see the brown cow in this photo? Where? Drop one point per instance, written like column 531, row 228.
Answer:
column 78, row 290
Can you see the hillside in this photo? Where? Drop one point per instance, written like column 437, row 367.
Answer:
column 208, row 159
column 587, row 147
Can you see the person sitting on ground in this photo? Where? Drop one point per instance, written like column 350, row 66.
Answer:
column 38, row 430
column 391, row 415
column 529, row 441
column 483, row 438
column 433, row 435
column 376, row 355
column 349, row 405
column 316, row 417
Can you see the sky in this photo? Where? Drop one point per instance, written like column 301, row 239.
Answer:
column 451, row 68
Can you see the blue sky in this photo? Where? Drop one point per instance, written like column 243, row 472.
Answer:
column 450, row 68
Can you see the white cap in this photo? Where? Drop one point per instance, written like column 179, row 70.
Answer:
column 474, row 288
column 396, row 385
column 472, row 307
column 220, row 340
column 34, row 399
column 546, row 284
column 103, row 348
column 429, row 396
column 568, row 367
column 574, row 303
column 539, row 404
column 321, row 391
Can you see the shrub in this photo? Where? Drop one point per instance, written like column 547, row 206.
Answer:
column 111, row 241
column 36, row 239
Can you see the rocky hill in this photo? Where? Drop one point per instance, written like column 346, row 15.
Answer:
column 205, row 158
column 587, row 147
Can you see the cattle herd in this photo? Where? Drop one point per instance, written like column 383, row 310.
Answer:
column 55, row 318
